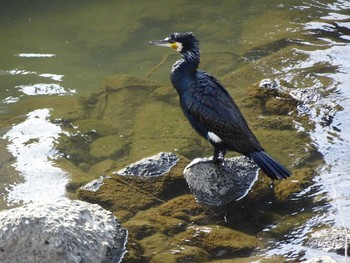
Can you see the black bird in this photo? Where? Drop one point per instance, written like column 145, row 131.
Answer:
column 211, row 110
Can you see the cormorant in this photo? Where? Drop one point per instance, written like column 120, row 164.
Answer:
column 211, row 110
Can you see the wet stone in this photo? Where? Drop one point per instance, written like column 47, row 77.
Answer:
column 94, row 185
column 220, row 184
column 153, row 166
column 64, row 231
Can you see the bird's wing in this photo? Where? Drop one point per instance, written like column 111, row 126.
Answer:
column 209, row 102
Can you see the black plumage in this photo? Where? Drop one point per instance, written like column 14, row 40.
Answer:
column 211, row 110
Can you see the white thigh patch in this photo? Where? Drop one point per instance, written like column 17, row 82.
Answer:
column 213, row 137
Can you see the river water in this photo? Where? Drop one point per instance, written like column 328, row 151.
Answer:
column 65, row 48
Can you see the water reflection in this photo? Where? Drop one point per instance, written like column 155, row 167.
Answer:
column 43, row 89
column 37, row 88
column 35, row 55
column 32, row 144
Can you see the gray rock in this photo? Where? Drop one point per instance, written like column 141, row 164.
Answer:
column 153, row 166
column 330, row 240
column 268, row 84
column 94, row 185
column 219, row 184
column 64, row 231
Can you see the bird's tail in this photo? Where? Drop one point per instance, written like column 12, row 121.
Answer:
column 269, row 166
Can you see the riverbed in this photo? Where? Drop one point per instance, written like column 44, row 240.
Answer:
column 56, row 53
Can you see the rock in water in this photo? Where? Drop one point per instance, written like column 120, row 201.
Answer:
column 153, row 166
column 220, row 184
column 331, row 240
column 94, row 185
column 65, row 231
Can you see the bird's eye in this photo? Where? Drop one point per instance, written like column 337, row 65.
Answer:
column 169, row 40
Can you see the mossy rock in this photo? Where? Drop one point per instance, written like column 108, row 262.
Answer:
column 272, row 100
column 117, row 194
column 215, row 238
column 133, row 193
column 301, row 178
column 181, row 254
column 173, row 230
column 140, row 228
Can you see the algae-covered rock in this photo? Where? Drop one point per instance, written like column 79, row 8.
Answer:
column 217, row 239
column 185, row 233
column 181, row 253
column 272, row 99
column 133, row 193
column 301, row 178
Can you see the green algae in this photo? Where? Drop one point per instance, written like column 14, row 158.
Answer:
column 300, row 180
column 214, row 238
column 132, row 194
column 182, row 253
column 161, row 213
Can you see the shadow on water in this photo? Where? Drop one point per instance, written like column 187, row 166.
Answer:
column 65, row 51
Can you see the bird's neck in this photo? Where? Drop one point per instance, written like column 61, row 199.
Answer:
column 182, row 74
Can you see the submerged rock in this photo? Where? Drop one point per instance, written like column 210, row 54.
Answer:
column 304, row 95
column 141, row 186
column 155, row 165
column 64, row 231
column 219, row 184
column 331, row 240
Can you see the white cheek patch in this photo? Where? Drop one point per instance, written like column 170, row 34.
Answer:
column 213, row 137
column 179, row 46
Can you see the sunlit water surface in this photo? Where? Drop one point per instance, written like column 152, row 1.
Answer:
column 67, row 48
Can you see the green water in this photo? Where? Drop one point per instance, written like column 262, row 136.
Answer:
column 57, row 58
column 92, row 39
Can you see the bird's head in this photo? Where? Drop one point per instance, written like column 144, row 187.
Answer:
column 185, row 43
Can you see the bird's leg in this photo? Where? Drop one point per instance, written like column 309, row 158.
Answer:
column 219, row 155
